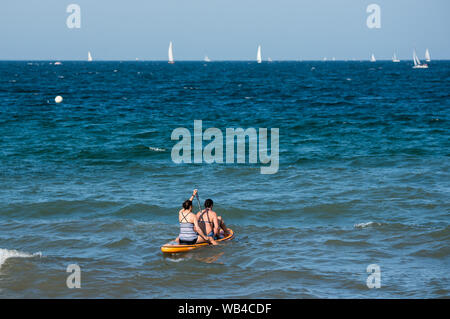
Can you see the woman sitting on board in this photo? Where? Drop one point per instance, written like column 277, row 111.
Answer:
column 210, row 223
column 190, row 232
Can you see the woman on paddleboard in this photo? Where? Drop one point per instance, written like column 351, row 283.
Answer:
column 190, row 232
column 210, row 223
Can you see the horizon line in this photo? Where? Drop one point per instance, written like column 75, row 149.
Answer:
column 189, row 60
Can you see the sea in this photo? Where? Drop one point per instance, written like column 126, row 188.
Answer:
column 358, row 208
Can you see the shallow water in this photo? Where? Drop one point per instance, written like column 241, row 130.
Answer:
column 363, row 179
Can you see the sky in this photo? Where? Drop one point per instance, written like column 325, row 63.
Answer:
column 223, row 30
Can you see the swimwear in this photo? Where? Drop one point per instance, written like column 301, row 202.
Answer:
column 184, row 242
column 187, row 236
column 211, row 234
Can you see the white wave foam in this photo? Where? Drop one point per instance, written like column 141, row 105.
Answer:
column 176, row 260
column 368, row 224
column 157, row 149
column 6, row 254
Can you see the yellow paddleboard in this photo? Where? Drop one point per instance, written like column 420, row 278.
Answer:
column 173, row 247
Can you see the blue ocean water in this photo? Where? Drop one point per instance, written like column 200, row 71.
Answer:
column 363, row 179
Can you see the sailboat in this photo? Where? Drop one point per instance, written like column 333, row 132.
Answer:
column 269, row 59
column 206, row 59
column 372, row 58
column 171, row 53
column 89, row 57
column 258, row 55
column 417, row 64
column 395, row 59
column 427, row 56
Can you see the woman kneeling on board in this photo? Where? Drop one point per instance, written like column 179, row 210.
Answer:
column 190, row 232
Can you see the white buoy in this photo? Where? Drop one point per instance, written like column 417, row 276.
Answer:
column 58, row 99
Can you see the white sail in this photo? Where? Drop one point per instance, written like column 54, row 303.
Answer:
column 372, row 58
column 89, row 57
column 395, row 59
column 417, row 63
column 170, row 53
column 206, row 59
column 427, row 56
column 269, row 59
column 416, row 59
column 258, row 55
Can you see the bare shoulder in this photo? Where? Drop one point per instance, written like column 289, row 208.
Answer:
column 213, row 213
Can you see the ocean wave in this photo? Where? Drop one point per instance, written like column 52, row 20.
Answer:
column 440, row 234
column 441, row 252
column 99, row 208
column 56, row 208
column 431, row 230
column 156, row 149
column 138, row 209
column 6, row 254
column 125, row 241
column 388, row 227
column 146, row 134
column 339, row 242
column 118, row 154
column 365, row 225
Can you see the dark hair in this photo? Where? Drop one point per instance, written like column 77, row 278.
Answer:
column 187, row 204
column 209, row 203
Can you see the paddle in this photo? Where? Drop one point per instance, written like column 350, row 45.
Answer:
column 198, row 202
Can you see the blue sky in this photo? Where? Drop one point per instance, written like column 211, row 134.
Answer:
column 223, row 30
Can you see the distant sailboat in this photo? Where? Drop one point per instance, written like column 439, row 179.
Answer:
column 417, row 64
column 395, row 59
column 206, row 59
column 258, row 55
column 171, row 53
column 427, row 56
column 372, row 58
column 269, row 59
column 89, row 57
